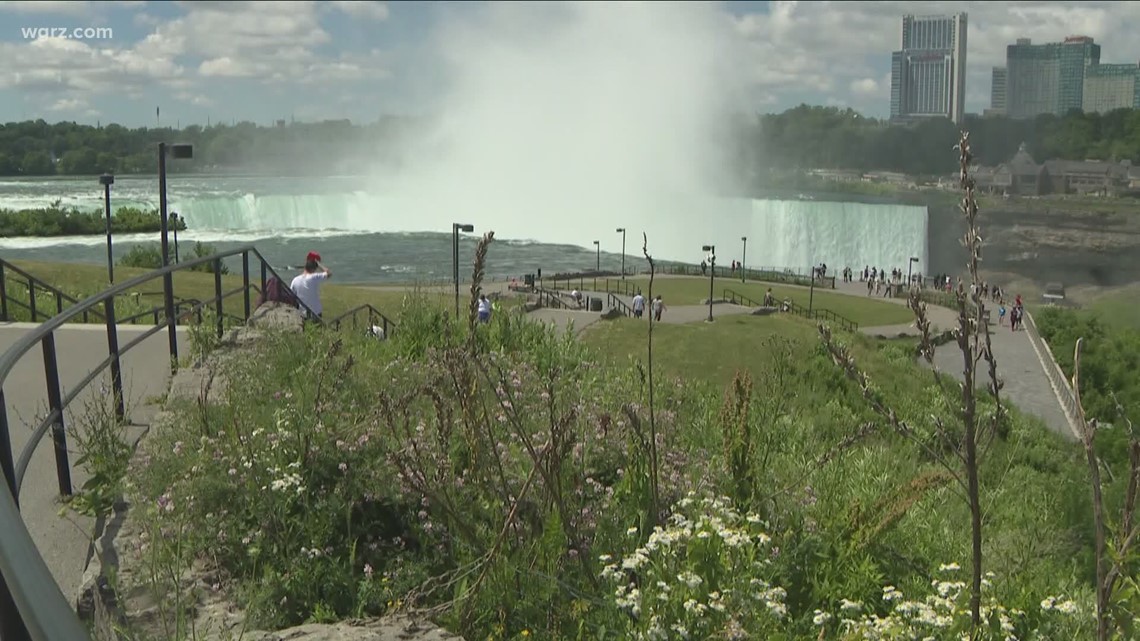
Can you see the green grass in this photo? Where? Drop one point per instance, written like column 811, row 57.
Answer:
column 1119, row 308
column 83, row 280
column 866, row 312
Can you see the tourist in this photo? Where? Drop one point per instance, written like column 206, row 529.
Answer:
column 484, row 309
column 577, row 296
column 658, row 307
column 769, row 299
column 704, row 268
column 306, row 286
column 1001, row 314
column 638, row 305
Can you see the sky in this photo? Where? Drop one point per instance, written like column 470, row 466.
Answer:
column 205, row 62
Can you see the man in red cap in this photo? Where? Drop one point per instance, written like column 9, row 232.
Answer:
column 307, row 285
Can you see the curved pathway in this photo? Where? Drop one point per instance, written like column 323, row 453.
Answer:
column 65, row 542
column 1022, row 369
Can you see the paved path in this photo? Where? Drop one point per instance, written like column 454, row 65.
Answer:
column 64, row 542
column 1025, row 383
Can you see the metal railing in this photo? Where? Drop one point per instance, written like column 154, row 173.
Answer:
column 374, row 315
column 762, row 274
column 31, row 604
column 736, row 298
column 623, row 287
column 1062, row 388
column 552, row 299
column 33, row 286
column 617, row 303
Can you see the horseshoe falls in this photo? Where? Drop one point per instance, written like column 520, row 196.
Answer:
column 787, row 234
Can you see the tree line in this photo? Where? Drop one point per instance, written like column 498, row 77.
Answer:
column 764, row 147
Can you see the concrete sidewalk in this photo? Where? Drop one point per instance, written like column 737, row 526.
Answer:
column 64, row 542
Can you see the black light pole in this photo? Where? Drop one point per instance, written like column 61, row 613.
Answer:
column 811, row 293
column 455, row 229
column 177, row 151
column 711, row 249
column 597, row 262
column 107, row 180
column 743, row 256
column 174, row 219
column 909, row 264
column 621, row 230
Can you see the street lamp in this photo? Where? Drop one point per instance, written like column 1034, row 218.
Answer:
column 455, row 229
column 743, row 256
column 597, row 262
column 909, row 264
column 107, row 180
column 621, row 230
column 174, row 220
column 177, row 151
column 711, row 249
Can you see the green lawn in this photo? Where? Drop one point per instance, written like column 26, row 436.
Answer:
column 866, row 312
column 1119, row 308
column 83, row 280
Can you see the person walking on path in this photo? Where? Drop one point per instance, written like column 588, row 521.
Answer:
column 658, row 307
column 484, row 309
column 638, row 305
column 306, row 286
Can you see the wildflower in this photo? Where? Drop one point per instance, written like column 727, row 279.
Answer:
column 949, row 567
column 367, row 570
column 820, row 617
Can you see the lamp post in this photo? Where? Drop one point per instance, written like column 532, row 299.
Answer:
column 909, row 264
column 711, row 249
column 811, row 292
column 597, row 262
column 107, row 180
column 174, row 219
column 455, row 229
column 177, row 151
column 743, row 256
column 621, row 230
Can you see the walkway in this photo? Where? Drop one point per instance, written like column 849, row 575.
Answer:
column 65, row 542
column 1026, row 384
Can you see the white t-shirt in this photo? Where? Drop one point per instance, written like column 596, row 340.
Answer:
column 484, row 306
column 638, row 303
column 307, row 287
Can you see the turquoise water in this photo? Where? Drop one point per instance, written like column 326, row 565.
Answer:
column 377, row 235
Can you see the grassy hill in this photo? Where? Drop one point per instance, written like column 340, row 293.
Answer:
column 520, row 469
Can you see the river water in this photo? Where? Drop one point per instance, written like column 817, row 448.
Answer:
column 371, row 234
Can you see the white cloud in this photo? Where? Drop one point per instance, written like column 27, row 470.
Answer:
column 68, row 104
column 47, row 7
column 816, row 46
column 366, row 9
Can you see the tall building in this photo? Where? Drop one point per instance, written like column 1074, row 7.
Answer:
column 1048, row 78
column 928, row 74
column 998, row 91
column 1111, row 86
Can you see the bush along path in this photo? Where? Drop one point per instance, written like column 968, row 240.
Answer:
column 140, row 585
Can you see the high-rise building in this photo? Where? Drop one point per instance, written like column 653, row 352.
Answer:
column 928, row 74
column 1111, row 86
column 998, row 91
column 1048, row 78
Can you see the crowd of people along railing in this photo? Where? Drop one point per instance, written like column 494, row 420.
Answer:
column 31, row 604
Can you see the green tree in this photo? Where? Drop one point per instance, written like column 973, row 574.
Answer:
column 37, row 163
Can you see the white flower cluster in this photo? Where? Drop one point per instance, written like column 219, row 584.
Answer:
column 699, row 576
column 943, row 614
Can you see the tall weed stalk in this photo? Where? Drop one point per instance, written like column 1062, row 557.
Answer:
column 958, row 452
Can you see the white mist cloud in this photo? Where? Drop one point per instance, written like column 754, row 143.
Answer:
column 562, row 121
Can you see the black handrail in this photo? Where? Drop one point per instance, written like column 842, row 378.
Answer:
column 548, row 298
column 31, row 605
column 32, row 283
column 737, row 298
column 386, row 324
column 617, row 302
